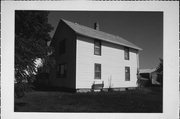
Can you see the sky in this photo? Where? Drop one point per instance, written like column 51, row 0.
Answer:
column 144, row 29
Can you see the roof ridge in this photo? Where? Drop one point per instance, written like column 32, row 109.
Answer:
column 91, row 28
column 82, row 29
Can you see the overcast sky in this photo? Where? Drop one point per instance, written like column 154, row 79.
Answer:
column 144, row 29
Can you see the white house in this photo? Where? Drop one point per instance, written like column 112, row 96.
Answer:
column 85, row 56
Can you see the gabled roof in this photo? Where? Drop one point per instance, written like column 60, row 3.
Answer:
column 89, row 32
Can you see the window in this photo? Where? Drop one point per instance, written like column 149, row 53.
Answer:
column 61, row 70
column 126, row 53
column 127, row 73
column 97, row 47
column 62, row 47
column 97, row 73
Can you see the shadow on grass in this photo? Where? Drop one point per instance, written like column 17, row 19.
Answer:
column 54, row 89
column 148, row 100
column 20, row 104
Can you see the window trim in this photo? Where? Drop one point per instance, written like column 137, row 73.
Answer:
column 127, row 76
column 126, row 50
column 95, row 77
column 96, row 40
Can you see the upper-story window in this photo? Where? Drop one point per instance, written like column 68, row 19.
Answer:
column 97, row 47
column 62, row 47
column 126, row 53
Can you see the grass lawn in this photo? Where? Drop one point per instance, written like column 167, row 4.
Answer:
column 139, row 100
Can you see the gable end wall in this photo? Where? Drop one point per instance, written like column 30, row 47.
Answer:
column 65, row 32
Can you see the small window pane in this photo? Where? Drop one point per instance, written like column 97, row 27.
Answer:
column 97, row 52
column 97, row 44
column 61, row 70
column 98, row 68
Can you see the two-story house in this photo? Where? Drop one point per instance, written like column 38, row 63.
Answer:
column 85, row 56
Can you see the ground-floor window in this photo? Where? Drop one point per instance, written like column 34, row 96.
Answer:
column 97, row 71
column 127, row 73
column 62, row 70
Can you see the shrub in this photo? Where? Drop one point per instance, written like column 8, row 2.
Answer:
column 42, row 80
column 19, row 89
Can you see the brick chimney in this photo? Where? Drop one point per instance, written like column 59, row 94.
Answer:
column 96, row 26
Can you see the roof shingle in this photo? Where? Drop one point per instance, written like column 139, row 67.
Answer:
column 89, row 32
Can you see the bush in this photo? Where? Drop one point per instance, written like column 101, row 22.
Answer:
column 19, row 89
column 42, row 80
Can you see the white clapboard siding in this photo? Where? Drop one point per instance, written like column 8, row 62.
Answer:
column 112, row 64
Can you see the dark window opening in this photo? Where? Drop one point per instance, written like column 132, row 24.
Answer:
column 126, row 53
column 97, row 47
column 97, row 69
column 127, row 73
column 62, row 70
